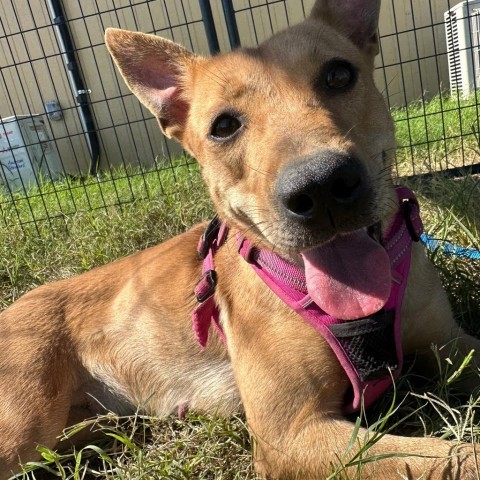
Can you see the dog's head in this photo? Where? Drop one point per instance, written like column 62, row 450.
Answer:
column 294, row 139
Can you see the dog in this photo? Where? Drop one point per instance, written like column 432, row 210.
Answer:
column 295, row 144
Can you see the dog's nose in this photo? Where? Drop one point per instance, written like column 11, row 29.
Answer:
column 326, row 187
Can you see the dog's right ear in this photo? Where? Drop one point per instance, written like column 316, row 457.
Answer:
column 155, row 70
column 357, row 19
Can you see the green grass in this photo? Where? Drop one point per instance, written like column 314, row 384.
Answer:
column 437, row 134
column 202, row 447
column 119, row 187
column 199, row 447
column 68, row 244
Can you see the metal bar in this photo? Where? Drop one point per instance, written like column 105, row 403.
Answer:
column 209, row 25
column 231, row 22
column 80, row 92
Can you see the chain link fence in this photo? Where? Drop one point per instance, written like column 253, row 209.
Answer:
column 73, row 138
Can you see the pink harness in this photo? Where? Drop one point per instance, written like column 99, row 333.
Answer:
column 369, row 349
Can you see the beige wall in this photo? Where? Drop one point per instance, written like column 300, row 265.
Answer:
column 33, row 71
column 413, row 49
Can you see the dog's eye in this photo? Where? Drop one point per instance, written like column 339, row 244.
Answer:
column 225, row 126
column 339, row 75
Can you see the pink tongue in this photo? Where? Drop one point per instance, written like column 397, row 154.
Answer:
column 349, row 277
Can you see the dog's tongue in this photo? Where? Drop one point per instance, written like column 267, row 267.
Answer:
column 349, row 277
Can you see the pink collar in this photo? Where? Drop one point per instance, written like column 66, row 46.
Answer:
column 369, row 349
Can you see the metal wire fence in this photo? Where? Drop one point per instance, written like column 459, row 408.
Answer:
column 73, row 138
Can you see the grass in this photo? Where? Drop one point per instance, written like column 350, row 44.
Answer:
column 68, row 244
column 168, row 202
column 198, row 447
column 437, row 134
column 118, row 188
column 450, row 211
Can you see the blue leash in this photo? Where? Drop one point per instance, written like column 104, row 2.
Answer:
column 449, row 248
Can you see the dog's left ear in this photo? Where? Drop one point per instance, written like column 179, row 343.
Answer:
column 357, row 19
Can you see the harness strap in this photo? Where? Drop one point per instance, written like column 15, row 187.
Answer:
column 369, row 349
column 207, row 311
column 347, row 337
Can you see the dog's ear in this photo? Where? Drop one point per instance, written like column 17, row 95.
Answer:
column 155, row 70
column 357, row 19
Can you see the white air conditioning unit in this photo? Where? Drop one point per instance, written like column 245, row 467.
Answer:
column 462, row 26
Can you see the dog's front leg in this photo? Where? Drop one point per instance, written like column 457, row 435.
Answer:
column 294, row 412
column 293, row 388
column 324, row 447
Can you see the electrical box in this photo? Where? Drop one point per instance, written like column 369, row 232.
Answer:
column 27, row 155
column 462, row 28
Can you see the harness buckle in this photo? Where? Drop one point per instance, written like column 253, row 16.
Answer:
column 205, row 287
column 407, row 207
column 208, row 236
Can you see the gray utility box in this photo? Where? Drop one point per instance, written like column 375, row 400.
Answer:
column 27, row 155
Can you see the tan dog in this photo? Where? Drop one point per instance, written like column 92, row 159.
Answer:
column 259, row 121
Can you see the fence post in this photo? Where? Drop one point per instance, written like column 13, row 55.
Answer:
column 209, row 25
column 231, row 22
column 80, row 92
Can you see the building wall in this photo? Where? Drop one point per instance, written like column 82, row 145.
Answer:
column 413, row 59
column 412, row 63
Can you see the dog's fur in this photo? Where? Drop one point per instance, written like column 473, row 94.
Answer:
column 122, row 333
